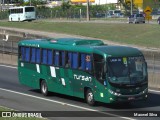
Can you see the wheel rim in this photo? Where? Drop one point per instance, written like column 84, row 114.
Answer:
column 90, row 97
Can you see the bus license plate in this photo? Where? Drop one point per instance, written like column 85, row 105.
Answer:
column 131, row 98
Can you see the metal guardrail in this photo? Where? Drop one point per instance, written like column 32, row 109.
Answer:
column 9, row 47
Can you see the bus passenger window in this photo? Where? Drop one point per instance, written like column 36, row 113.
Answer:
column 88, row 63
column 67, row 63
column 44, row 56
column 38, row 57
column 49, row 57
column 56, row 58
column 27, row 54
column 60, row 58
column 33, row 55
column 69, row 59
column 63, row 58
column 83, row 63
column 75, row 60
column 22, row 53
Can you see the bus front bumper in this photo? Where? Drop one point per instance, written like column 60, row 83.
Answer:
column 127, row 98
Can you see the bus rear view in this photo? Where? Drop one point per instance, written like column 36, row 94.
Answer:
column 22, row 13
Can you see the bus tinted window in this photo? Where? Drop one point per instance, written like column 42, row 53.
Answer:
column 63, row 58
column 88, row 62
column 38, row 57
column 22, row 53
column 29, row 9
column 56, row 58
column 75, row 60
column 33, row 55
column 67, row 62
column 69, row 59
column 27, row 54
column 49, row 57
column 82, row 62
column 44, row 56
column 19, row 10
column 12, row 11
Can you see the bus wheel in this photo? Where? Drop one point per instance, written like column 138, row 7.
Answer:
column 44, row 88
column 90, row 97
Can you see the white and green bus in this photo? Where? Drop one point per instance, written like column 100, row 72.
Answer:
column 23, row 13
column 83, row 68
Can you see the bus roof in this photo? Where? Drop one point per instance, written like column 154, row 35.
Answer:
column 81, row 45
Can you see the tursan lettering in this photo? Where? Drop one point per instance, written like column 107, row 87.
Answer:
column 82, row 77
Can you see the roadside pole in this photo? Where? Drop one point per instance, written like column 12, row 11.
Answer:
column 80, row 14
column 0, row 5
column 131, row 7
column 88, row 17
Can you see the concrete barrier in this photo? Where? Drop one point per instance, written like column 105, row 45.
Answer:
column 154, row 81
column 8, row 59
column 17, row 35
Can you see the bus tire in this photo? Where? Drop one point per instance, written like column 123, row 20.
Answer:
column 44, row 88
column 90, row 97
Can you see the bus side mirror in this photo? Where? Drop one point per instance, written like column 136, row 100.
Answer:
column 145, row 68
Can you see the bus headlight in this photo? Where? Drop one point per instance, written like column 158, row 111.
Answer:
column 114, row 93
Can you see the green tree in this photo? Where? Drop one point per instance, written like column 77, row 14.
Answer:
column 19, row 2
column 32, row 2
column 66, row 8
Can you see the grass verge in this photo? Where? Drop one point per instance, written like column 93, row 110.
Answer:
column 136, row 34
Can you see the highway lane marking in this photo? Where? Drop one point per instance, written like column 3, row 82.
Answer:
column 8, row 66
column 156, row 91
column 63, row 103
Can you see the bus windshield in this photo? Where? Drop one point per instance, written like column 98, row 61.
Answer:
column 127, row 70
column 29, row 9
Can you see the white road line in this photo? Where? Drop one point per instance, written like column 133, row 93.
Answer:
column 156, row 91
column 8, row 66
column 63, row 103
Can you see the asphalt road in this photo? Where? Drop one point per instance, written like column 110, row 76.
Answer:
column 22, row 98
